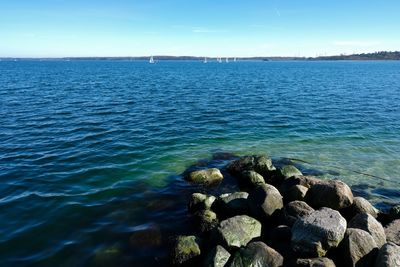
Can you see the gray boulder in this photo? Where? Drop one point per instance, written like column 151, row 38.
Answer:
column 296, row 192
column 332, row 194
column 206, row 220
column 237, row 231
column 257, row 254
column 314, row 234
column 358, row 248
column 392, row 232
column 306, row 181
column 368, row 223
column 315, row 262
column 199, row 201
column 207, row 177
column 217, row 257
column 260, row 164
column 251, row 179
column 295, row 210
column 289, row 171
column 361, row 205
column 265, row 200
column 185, row 248
column 233, row 203
column 388, row 256
column 395, row 212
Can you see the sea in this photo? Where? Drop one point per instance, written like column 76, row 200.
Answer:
column 93, row 153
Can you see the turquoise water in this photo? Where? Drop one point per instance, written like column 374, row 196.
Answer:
column 92, row 151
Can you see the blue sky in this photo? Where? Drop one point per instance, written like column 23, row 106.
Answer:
column 55, row 28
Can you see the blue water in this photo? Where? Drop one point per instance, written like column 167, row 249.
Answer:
column 91, row 152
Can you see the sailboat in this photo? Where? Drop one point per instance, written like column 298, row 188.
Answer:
column 151, row 61
column 227, row 60
column 205, row 60
column 234, row 59
column 219, row 60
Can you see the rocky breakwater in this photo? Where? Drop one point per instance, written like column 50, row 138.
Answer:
column 280, row 217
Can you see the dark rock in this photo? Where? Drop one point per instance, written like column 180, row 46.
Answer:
column 295, row 210
column 315, row 262
column 392, row 232
column 388, row 256
column 199, row 201
column 296, row 192
column 257, row 254
column 206, row 220
column 369, row 224
column 237, row 231
column 289, row 171
column 314, row 234
column 107, row 256
column 280, row 233
column 146, row 237
column 251, row 179
column 332, row 194
column 395, row 212
column 207, row 177
column 232, row 204
column 360, row 205
column 265, row 200
column 260, row 164
column 306, row 181
column 358, row 248
column 217, row 257
column 186, row 248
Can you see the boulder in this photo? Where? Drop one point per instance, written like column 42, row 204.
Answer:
column 368, row 223
column 257, row 254
column 388, row 256
column 233, row 204
column 251, row 179
column 237, row 231
column 280, row 233
column 199, row 201
column 315, row 262
column 260, row 164
column 358, row 248
column 206, row 220
column 206, row 177
column 360, row 205
column 217, row 257
column 314, row 234
column 146, row 237
column 295, row 210
column 289, row 171
column 395, row 212
column 306, row 181
column 392, row 232
column 332, row 194
column 185, row 248
column 296, row 192
column 265, row 200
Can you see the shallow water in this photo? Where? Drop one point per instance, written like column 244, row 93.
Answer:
column 92, row 151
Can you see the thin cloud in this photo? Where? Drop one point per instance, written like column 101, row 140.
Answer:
column 356, row 43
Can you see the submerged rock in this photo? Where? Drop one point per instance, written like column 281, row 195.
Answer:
column 289, row 171
column 314, row 234
column 265, row 200
column 206, row 177
column 217, row 257
column 369, row 224
column 260, row 164
column 251, row 179
column 257, row 254
column 295, row 210
column 315, row 262
column 146, row 238
column 199, row 201
column 358, row 248
column 395, row 212
column 107, row 256
column 332, row 194
column 388, row 256
column 237, row 231
column 392, row 232
column 185, row 249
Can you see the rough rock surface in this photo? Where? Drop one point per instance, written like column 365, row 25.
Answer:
column 217, row 257
column 237, row 231
column 296, row 192
column 206, row 177
column 251, row 179
column 199, row 201
column 315, row 262
column 388, row 256
column 368, row 223
column 296, row 209
column 332, row 194
column 321, row 230
column 395, row 212
column 392, row 232
column 361, row 205
column 265, row 200
column 260, row 164
column 257, row 254
column 206, row 220
column 289, row 171
column 358, row 248
column 233, row 203
column 185, row 248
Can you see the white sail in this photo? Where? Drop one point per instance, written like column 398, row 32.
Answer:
column 151, row 61
column 227, row 60
column 205, row 60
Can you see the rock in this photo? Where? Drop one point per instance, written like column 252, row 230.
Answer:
column 217, row 257
column 395, row 212
column 360, row 205
column 185, row 249
column 306, row 181
column 200, row 201
column 332, row 194
column 296, row 209
column 257, row 254
column 289, row 171
column 315, row 262
column 388, row 256
column 280, row 233
column 206, row 220
column 251, row 179
column 265, row 200
column 147, row 237
column 317, row 232
column 206, row 177
column 260, row 164
column 369, row 224
column 233, row 204
column 237, row 231
column 107, row 256
column 296, row 192
column 358, row 248
column 392, row 232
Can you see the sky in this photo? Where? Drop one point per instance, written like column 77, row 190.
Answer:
column 212, row 28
